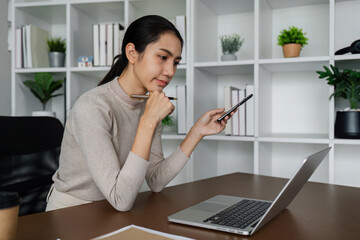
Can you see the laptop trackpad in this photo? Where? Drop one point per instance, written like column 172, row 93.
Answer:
column 209, row 207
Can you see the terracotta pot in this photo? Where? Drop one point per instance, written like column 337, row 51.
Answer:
column 291, row 50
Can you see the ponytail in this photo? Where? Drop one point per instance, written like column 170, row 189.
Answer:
column 118, row 65
column 141, row 32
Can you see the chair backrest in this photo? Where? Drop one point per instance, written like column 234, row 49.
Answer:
column 29, row 156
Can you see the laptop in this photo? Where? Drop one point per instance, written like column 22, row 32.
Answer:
column 245, row 216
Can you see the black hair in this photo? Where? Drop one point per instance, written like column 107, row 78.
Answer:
column 141, row 32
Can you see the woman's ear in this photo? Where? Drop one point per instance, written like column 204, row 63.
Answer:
column 131, row 53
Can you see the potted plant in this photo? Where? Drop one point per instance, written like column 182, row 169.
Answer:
column 43, row 86
column 347, row 86
column 292, row 40
column 230, row 44
column 57, row 49
column 167, row 123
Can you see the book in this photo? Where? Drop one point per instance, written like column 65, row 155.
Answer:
column 241, row 110
column 181, row 109
column 38, row 47
column 28, row 46
column 109, row 44
column 102, row 44
column 96, row 45
column 228, row 106
column 118, row 37
column 24, row 51
column 18, row 48
column 249, row 111
column 235, row 118
column 180, row 24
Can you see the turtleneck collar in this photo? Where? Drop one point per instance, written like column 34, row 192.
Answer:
column 119, row 91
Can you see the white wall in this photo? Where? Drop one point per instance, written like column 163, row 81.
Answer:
column 5, row 62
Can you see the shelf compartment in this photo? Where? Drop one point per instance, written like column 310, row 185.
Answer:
column 214, row 158
column 213, row 19
column 311, row 16
column 345, row 24
column 166, row 8
column 283, row 160
column 26, row 102
column 81, row 82
column 292, row 102
column 83, row 16
column 347, row 164
column 209, row 85
column 51, row 18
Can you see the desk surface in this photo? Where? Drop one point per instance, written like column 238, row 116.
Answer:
column 320, row 211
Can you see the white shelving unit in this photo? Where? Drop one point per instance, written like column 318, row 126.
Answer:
column 293, row 114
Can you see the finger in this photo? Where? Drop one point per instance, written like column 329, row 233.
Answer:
column 216, row 111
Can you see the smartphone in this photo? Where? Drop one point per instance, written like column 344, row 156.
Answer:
column 234, row 107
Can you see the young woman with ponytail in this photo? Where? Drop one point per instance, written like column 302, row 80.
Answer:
column 112, row 142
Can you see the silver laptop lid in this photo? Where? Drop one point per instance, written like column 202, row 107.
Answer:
column 292, row 187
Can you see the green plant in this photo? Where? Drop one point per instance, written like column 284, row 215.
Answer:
column 56, row 44
column 231, row 43
column 292, row 35
column 167, row 121
column 346, row 84
column 43, row 86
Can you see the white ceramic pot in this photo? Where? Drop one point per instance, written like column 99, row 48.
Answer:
column 43, row 114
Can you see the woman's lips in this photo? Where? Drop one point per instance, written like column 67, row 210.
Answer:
column 161, row 83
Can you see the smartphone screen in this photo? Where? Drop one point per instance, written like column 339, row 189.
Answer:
column 234, row 107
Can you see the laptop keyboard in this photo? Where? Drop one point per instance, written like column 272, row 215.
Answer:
column 241, row 214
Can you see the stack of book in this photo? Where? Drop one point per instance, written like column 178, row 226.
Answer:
column 242, row 122
column 31, row 50
column 107, row 40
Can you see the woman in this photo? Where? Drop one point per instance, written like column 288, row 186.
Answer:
column 112, row 142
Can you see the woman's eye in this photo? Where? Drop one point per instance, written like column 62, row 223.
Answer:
column 164, row 58
column 176, row 63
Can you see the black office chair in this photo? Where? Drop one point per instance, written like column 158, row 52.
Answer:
column 29, row 156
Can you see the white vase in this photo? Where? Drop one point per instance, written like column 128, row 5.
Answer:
column 228, row 57
column 43, row 114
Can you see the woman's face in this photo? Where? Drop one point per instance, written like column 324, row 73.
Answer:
column 157, row 65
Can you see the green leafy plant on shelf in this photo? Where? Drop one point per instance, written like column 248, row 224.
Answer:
column 346, row 84
column 56, row 44
column 43, row 86
column 230, row 44
column 168, row 121
column 292, row 35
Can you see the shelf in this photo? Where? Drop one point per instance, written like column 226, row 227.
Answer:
column 296, row 138
column 227, row 68
column 35, row 70
column 347, row 141
column 230, row 138
column 172, row 137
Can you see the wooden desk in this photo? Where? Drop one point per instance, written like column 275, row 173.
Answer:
column 320, row 211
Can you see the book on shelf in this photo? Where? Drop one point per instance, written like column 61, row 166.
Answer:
column 228, row 105
column 249, row 110
column 107, row 39
column 31, row 47
column 102, row 42
column 18, row 48
column 96, row 45
column 181, row 109
column 109, row 44
column 235, row 118
column 241, row 110
column 180, row 23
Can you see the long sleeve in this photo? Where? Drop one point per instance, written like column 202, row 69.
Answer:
column 162, row 170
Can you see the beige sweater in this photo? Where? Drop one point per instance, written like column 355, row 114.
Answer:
column 96, row 161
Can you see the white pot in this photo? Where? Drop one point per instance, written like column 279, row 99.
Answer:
column 43, row 114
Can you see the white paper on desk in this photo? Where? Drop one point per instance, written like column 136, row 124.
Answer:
column 161, row 235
